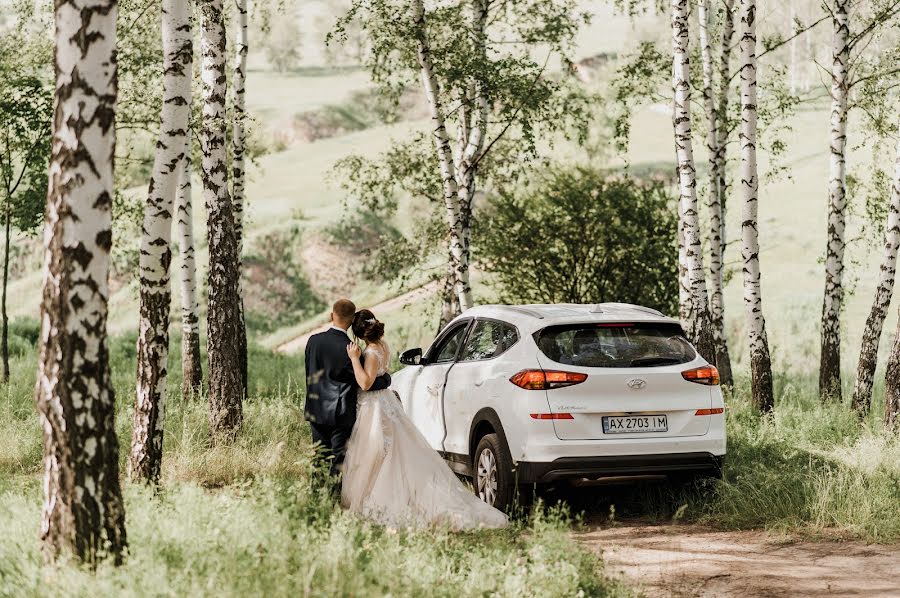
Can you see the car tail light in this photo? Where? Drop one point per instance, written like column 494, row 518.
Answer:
column 546, row 379
column 706, row 374
column 714, row 411
column 552, row 416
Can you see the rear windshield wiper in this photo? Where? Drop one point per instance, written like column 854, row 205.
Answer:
column 658, row 360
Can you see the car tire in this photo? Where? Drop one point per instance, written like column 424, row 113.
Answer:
column 493, row 472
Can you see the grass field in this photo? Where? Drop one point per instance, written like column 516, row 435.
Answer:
column 250, row 519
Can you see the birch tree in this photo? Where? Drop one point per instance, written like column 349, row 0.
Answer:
column 716, row 139
column 191, row 367
column 145, row 461
column 830, row 363
column 486, row 95
column 858, row 78
column 238, row 173
column 687, row 182
column 26, row 111
column 83, row 514
column 760, row 360
column 223, row 311
column 868, row 354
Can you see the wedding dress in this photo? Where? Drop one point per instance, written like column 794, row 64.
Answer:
column 394, row 477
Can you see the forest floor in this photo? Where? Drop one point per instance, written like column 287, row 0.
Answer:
column 695, row 560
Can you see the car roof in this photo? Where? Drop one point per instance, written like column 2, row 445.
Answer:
column 541, row 315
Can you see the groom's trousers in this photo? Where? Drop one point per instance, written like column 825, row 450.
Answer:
column 333, row 439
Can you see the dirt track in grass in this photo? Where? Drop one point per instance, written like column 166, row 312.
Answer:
column 692, row 560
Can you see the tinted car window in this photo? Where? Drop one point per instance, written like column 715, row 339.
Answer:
column 449, row 347
column 489, row 339
column 616, row 345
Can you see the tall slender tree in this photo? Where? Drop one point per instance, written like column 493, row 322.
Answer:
column 191, row 366
column 223, row 311
column 687, row 181
column 83, row 513
column 458, row 256
column 868, row 354
column 830, row 363
column 238, row 172
column 145, row 462
column 716, row 125
column 760, row 360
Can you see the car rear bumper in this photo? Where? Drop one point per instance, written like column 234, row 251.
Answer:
column 568, row 468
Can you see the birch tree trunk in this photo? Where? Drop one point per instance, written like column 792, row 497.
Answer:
column 716, row 190
column 4, row 337
column 237, row 165
column 223, row 312
column 145, row 461
column 868, row 353
column 472, row 138
column 83, row 513
column 687, row 181
column 760, row 360
column 684, row 284
column 459, row 259
column 830, row 364
column 191, row 367
column 892, row 386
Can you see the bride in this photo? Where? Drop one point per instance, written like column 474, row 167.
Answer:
column 391, row 474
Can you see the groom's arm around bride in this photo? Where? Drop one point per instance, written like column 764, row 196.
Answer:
column 331, row 385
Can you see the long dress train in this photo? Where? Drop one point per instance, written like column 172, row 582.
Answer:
column 394, row 477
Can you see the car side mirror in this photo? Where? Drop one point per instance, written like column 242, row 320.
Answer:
column 412, row 357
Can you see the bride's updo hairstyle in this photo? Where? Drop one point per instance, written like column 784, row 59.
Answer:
column 367, row 327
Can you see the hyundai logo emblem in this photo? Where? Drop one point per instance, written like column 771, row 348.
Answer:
column 637, row 384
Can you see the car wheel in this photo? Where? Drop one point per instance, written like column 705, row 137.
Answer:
column 494, row 482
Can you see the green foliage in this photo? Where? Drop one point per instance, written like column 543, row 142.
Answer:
column 582, row 236
column 28, row 329
column 529, row 106
column 276, row 290
column 26, row 110
column 282, row 44
column 384, row 251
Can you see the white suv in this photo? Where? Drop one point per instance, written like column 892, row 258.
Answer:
column 528, row 394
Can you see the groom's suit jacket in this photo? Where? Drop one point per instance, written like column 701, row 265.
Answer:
column 330, row 384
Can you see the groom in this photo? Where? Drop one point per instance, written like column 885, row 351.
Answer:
column 331, row 386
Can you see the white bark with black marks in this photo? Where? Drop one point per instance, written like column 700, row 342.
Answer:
column 687, row 182
column 760, row 359
column 83, row 513
column 223, row 312
column 238, row 167
column 716, row 190
column 830, row 364
column 191, row 366
column 145, row 461
column 868, row 353
column 471, row 140
column 459, row 259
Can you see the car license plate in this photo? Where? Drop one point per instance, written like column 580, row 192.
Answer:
column 627, row 424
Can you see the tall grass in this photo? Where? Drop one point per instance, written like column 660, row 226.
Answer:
column 248, row 519
column 812, row 466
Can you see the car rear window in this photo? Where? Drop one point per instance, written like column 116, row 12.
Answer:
column 615, row 345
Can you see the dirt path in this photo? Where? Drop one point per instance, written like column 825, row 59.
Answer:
column 690, row 560
column 399, row 302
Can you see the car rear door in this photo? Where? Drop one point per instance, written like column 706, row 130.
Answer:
column 644, row 400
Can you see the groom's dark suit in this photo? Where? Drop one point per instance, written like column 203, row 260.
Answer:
column 331, row 392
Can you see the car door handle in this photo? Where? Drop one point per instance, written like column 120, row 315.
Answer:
column 479, row 383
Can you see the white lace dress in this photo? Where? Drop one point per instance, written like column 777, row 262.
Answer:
column 394, row 477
